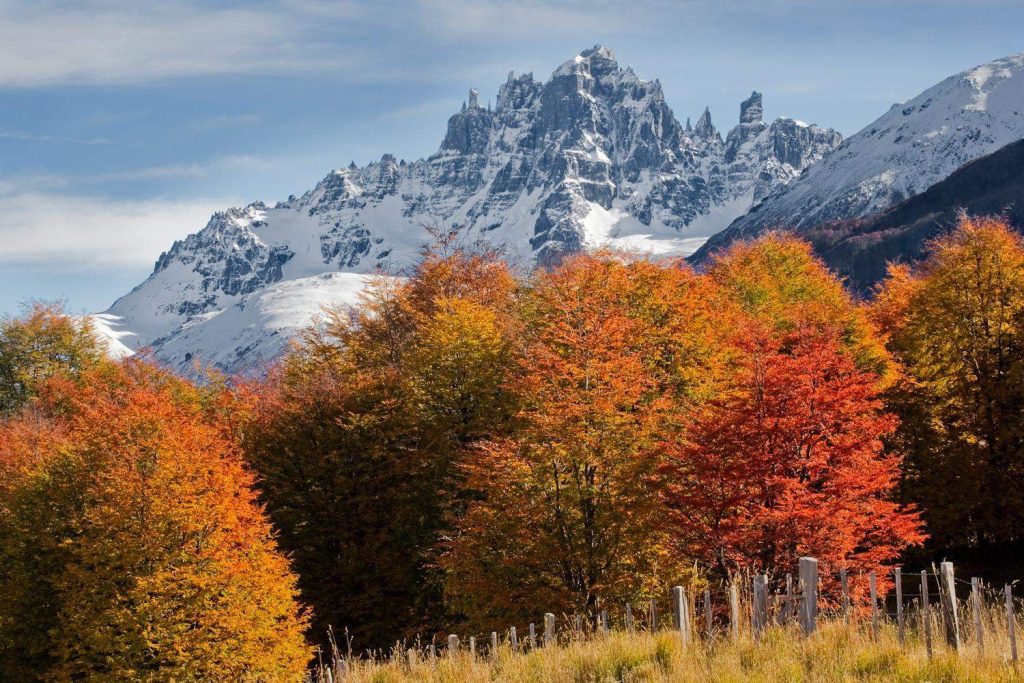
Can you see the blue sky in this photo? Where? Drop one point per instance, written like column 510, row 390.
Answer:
column 124, row 124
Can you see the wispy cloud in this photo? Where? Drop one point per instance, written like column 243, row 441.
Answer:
column 413, row 111
column 58, row 221
column 225, row 121
column 6, row 134
column 90, row 42
column 122, row 41
column 80, row 233
column 486, row 19
column 68, row 182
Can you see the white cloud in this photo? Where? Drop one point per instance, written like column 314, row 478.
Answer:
column 81, row 233
column 122, row 41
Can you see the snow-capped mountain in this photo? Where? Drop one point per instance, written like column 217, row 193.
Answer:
column 902, row 153
column 591, row 157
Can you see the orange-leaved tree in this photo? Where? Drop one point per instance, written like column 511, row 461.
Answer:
column 133, row 547
column 789, row 461
column 565, row 512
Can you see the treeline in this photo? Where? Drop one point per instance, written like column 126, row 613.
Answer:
column 468, row 445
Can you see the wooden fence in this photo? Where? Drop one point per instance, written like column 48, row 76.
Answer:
column 753, row 606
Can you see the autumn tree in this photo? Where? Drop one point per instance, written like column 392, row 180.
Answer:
column 789, row 461
column 44, row 341
column 132, row 544
column 358, row 436
column 777, row 280
column 565, row 511
column 957, row 324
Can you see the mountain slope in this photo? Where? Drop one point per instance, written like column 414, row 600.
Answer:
column 905, row 151
column 859, row 249
column 592, row 157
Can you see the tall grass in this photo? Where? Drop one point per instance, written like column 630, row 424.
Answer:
column 837, row 652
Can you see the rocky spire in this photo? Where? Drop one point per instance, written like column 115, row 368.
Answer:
column 751, row 110
column 474, row 96
column 689, row 128
column 704, row 127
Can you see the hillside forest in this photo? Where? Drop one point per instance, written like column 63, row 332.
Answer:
column 471, row 442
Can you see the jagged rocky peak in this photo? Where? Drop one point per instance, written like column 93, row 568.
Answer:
column 750, row 126
column 596, row 62
column 517, row 93
column 468, row 131
column 752, row 109
column 704, row 127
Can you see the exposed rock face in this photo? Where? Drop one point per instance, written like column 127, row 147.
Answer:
column 905, row 151
column 592, row 157
column 751, row 109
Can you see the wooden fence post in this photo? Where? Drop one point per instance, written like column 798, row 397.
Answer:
column 925, row 616
column 652, row 617
column 533, row 636
column 809, row 579
column 472, row 646
column 549, row 629
column 873, row 588
column 760, row 592
column 899, row 606
column 976, row 603
column 512, row 636
column 604, row 622
column 1011, row 624
column 494, row 644
column 708, row 615
column 691, row 602
column 950, row 616
column 789, row 609
column 629, row 617
column 845, row 585
column 682, row 613
column 578, row 620
column 734, row 611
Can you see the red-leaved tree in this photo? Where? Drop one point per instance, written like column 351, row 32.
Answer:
column 789, row 462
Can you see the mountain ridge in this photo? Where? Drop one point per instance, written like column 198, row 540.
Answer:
column 592, row 157
column 859, row 249
column 914, row 145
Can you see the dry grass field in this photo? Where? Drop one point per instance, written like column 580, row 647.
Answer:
column 837, row 652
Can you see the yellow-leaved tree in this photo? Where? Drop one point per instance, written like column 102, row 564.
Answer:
column 39, row 344
column 957, row 324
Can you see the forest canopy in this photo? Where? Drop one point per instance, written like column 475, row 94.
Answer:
column 468, row 444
